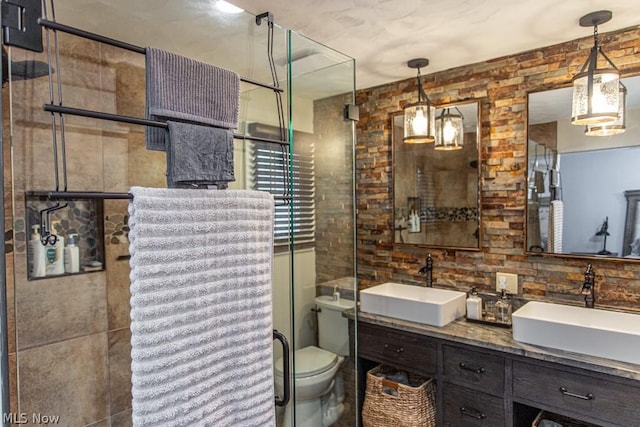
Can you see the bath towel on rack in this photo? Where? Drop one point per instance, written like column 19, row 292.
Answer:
column 199, row 156
column 201, row 319
column 188, row 90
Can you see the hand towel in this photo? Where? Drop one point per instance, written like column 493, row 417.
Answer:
column 199, row 156
column 201, row 320
column 188, row 90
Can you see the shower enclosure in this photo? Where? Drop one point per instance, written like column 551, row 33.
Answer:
column 68, row 334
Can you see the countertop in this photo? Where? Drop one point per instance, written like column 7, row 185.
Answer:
column 500, row 339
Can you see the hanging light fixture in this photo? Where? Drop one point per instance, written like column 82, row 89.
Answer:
column 449, row 129
column 419, row 117
column 617, row 126
column 595, row 90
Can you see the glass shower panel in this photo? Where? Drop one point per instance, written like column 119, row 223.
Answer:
column 322, row 83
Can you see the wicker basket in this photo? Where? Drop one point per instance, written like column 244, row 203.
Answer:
column 412, row 407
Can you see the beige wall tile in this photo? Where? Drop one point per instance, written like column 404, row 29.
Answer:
column 56, row 309
column 123, row 419
column 67, row 378
column 120, row 370
column 118, row 294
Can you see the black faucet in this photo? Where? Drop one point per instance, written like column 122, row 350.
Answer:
column 427, row 271
column 589, row 287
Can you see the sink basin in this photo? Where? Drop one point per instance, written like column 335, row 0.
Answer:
column 588, row 331
column 429, row 306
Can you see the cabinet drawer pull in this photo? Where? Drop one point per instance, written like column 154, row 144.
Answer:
column 397, row 350
column 587, row 396
column 468, row 368
column 473, row 413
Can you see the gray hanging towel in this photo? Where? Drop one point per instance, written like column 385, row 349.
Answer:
column 199, row 156
column 187, row 90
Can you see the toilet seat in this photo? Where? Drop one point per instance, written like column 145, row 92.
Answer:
column 310, row 361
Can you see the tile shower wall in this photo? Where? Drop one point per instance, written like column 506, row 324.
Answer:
column 502, row 85
column 71, row 357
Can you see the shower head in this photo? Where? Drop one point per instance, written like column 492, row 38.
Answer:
column 22, row 70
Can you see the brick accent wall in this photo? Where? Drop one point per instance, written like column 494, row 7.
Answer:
column 501, row 85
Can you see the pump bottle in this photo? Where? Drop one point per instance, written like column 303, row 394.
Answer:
column 37, row 257
column 55, row 253
column 474, row 305
column 71, row 255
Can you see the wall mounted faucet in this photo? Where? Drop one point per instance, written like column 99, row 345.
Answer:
column 589, row 287
column 427, row 271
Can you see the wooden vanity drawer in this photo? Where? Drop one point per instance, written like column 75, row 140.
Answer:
column 466, row 407
column 397, row 348
column 479, row 371
column 582, row 396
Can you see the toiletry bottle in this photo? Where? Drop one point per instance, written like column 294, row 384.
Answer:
column 336, row 293
column 503, row 308
column 71, row 255
column 55, row 253
column 411, row 223
column 474, row 305
column 37, row 257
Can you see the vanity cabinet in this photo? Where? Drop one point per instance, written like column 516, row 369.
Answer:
column 479, row 385
column 403, row 350
column 473, row 388
column 590, row 398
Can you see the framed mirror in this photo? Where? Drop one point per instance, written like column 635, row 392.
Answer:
column 436, row 192
column 582, row 191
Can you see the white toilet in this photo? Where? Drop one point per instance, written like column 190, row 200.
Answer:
column 319, row 392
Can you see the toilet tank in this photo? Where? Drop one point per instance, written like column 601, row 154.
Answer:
column 333, row 328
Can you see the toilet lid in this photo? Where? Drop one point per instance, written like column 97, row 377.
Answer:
column 310, row 361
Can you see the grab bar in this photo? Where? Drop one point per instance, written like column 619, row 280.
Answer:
column 285, row 369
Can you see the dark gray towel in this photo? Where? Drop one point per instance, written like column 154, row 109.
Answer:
column 199, row 156
column 187, row 90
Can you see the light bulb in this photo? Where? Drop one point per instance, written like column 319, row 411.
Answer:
column 419, row 124
column 448, row 132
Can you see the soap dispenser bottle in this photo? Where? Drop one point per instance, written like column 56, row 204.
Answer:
column 71, row 255
column 474, row 305
column 503, row 308
column 55, row 253
column 37, row 256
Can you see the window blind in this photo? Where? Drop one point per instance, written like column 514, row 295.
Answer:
column 274, row 168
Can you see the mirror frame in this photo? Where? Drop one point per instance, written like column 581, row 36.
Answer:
column 439, row 107
column 527, row 252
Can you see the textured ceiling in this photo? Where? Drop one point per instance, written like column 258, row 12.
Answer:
column 382, row 35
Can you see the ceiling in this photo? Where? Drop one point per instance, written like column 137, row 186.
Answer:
column 382, row 35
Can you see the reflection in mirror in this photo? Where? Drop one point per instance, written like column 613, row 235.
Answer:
column 582, row 190
column 436, row 192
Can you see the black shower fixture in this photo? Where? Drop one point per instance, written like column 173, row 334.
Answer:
column 22, row 70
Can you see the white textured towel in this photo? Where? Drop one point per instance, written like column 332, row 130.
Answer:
column 201, row 317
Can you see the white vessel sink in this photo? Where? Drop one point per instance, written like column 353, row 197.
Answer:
column 429, row 306
column 588, row 331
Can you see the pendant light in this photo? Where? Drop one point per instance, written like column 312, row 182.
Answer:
column 449, row 129
column 616, row 127
column 419, row 117
column 595, row 90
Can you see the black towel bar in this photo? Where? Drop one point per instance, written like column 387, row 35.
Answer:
column 123, row 45
column 86, row 195
column 138, row 121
